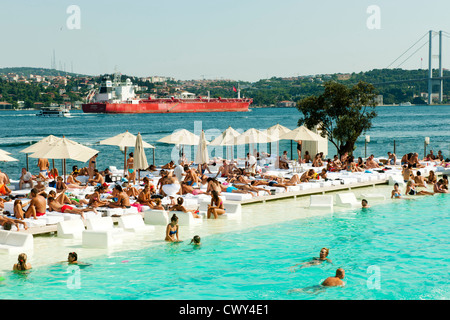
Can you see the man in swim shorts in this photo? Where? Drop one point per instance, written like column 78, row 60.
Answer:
column 38, row 205
column 43, row 165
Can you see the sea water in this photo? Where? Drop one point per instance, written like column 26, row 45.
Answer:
column 396, row 250
column 408, row 126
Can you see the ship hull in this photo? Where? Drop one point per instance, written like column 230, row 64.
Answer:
column 167, row 107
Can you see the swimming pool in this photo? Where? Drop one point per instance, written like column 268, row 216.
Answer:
column 396, row 250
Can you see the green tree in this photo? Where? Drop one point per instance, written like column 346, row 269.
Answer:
column 341, row 113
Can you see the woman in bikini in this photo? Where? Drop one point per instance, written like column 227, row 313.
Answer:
column 131, row 171
column 216, row 207
column 172, row 230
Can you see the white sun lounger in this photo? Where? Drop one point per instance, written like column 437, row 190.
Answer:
column 186, row 218
column 321, row 202
column 134, row 223
column 101, row 233
column 393, row 179
column 347, row 199
column 235, row 196
column 156, row 217
column 70, row 229
column 13, row 242
column 373, row 196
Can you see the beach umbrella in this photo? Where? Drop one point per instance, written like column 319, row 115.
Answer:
column 125, row 140
column 4, row 157
column 181, row 137
column 202, row 150
column 140, row 160
column 39, row 145
column 4, row 152
column 277, row 131
column 253, row 136
column 301, row 133
column 65, row 149
column 227, row 138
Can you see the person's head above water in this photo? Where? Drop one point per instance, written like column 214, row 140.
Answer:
column 73, row 257
column 324, row 252
column 340, row 273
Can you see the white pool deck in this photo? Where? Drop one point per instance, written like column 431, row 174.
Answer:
column 258, row 211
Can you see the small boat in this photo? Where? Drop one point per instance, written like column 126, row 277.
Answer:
column 54, row 111
column 405, row 104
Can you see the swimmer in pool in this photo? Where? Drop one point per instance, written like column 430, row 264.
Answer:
column 315, row 261
column 72, row 258
column 364, row 203
column 335, row 281
column 196, row 241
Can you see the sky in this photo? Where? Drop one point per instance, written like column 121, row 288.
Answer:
column 245, row 40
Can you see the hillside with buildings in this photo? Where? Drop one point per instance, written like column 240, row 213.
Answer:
column 32, row 88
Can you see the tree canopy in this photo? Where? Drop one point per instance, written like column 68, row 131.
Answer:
column 341, row 113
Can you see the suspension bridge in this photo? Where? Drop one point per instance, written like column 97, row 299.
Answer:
column 432, row 80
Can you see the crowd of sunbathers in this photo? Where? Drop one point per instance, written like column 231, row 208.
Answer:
column 180, row 179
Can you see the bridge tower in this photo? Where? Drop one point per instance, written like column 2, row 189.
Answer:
column 439, row 81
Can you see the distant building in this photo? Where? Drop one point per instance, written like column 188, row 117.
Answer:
column 379, row 100
column 5, row 105
column 343, row 76
column 286, row 104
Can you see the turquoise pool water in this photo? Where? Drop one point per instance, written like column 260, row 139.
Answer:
column 395, row 250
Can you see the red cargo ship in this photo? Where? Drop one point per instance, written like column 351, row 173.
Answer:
column 120, row 98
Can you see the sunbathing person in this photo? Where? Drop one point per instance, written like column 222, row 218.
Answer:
column 185, row 188
column 213, row 185
column 431, row 178
column 53, row 205
column 73, row 183
column 169, row 166
column 415, row 161
column 97, row 179
column 191, row 178
column 439, row 187
column 224, row 170
column 419, row 180
column 7, row 223
column 407, row 173
column 371, row 163
column 251, row 188
column 317, row 162
column 38, row 205
column 144, row 196
column 157, row 205
column 4, row 180
column 271, row 183
column 411, row 190
column 94, row 199
column 308, row 175
column 216, row 207
column 122, row 200
column 60, row 185
column 306, row 157
column 179, row 207
column 129, row 190
column 62, row 198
